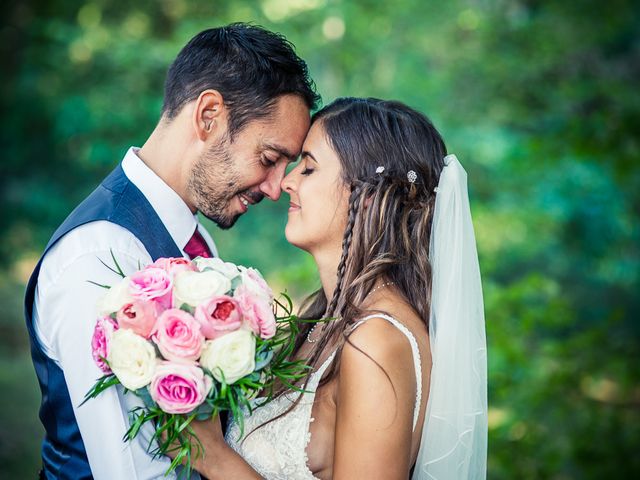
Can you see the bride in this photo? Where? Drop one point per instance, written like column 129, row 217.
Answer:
column 398, row 387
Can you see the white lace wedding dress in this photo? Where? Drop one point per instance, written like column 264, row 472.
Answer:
column 277, row 450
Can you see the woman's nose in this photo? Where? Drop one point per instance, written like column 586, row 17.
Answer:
column 288, row 183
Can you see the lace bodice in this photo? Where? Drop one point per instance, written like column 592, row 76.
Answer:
column 278, row 450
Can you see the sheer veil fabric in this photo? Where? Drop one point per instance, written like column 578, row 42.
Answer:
column 454, row 436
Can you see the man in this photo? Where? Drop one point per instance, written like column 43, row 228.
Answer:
column 236, row 111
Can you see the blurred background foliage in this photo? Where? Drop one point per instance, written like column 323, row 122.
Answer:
column 539, row 99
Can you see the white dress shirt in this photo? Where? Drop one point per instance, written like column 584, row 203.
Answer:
column 65, row 313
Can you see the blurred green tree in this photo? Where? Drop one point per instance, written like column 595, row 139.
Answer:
column 538, row 99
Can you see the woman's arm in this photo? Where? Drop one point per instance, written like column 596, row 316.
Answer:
column 375, row 404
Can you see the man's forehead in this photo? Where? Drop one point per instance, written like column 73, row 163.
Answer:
column 284, row 130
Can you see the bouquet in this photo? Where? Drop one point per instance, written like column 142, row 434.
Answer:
column 192, row 339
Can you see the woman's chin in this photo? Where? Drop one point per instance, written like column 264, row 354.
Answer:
column 294, row 239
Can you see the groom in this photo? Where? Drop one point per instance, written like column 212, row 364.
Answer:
column 236, row 111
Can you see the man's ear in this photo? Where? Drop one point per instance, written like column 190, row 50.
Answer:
column 208, row 114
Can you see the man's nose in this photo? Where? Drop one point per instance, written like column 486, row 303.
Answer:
column 271, row 185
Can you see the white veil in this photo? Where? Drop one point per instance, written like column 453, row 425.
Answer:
column 454, row 436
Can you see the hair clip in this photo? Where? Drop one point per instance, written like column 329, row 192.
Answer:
column 435, row 190
column 412, row 176
column 380, row 169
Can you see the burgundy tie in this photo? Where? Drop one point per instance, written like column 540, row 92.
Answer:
column 197, row 247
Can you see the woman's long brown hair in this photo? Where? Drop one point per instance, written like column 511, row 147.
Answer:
column 389, row 221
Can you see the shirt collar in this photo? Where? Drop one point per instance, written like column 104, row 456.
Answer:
column 173, row 212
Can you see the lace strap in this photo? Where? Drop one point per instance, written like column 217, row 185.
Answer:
column 416, row 357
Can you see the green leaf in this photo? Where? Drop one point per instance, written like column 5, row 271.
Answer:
column 187, row 308
column 99, row 284
column 115, row 262
column 145, row 395
column 100, row 386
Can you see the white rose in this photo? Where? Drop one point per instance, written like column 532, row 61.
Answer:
column 232, row 354
column 115, row 298
column 255, row 283
column 131, row 358
column 228, row 269
column 193, row 288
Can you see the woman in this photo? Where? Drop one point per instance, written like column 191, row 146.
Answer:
column 391, row 390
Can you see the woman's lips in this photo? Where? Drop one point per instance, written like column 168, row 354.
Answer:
column 293, row 207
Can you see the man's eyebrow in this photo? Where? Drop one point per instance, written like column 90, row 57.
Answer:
column 285, row 152
column 308, row 154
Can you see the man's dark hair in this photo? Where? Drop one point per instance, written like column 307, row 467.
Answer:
column 250, row 66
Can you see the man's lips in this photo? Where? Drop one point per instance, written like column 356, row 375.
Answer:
column 254, row 197
column 249, row 198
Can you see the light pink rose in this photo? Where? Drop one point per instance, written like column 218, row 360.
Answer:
column 218, row 316
column 256, row 311
column 253, row 281
column 179, row 387
column 173, row 265
column 154, row 284
column 139, row 316
column 105, row 326
column 178, row 336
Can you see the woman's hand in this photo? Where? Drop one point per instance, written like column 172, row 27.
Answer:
column 216, row 460
column 209, row 432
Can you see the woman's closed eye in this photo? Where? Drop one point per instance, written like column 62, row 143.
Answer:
column 307, row 171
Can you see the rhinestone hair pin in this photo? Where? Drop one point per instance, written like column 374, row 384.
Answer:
column 412, row 176
column 380, row 169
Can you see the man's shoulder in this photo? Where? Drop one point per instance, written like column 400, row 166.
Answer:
column 93, row 239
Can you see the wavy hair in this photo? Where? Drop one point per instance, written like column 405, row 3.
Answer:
column 389, row 221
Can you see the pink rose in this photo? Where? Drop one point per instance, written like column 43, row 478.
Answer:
column 178, row 336
column 252, row 280
column 173, row 265
column 152, row 284
column 178, row 387
column 138, row 316
column 218, row 316
column 256, row 312
column 105, row 326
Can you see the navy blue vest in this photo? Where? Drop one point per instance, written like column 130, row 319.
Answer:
column 116, row 200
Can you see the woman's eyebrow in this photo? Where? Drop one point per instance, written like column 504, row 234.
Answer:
column 308, row 154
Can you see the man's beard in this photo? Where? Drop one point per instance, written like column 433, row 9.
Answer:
column 214, row 182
